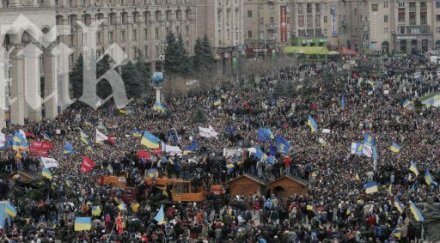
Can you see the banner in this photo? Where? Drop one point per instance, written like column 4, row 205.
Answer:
column 40, row 148
column 283, row 24
column 87, row 165
column 49, row 162
column 207, row 132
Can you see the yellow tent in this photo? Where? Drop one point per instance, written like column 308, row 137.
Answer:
column 307, row 50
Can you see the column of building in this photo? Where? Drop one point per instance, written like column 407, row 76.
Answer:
column 17, row 87
column 4, row 65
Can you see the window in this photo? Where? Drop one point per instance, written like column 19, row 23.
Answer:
column 401, row 5
column 146, row 34
column 122, row 35
column 437, row 18
column 437, row 30
column 134, row 35
column 401, row 16
column 272, row 20
column 325, row 20
column 157, row 33
column 375, row 7
column 110, row 36
column 385, row 30
column 249, row 14
column 385, row 18
column 437, row 4
column 301, row 21
column 249, row 34
column 423, row 18
column 385, row 4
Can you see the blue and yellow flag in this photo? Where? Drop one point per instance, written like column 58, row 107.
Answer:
column 150, row 141
column 282, row 144
column 10, row 210
column 343, row 102
column 160, row 216
column 428, row 179
column 264, row 135
column 68, row 148
column 19, row 141
column 260, row 155
column 46, row 173
column 371, row 187
column 158, row 107
column 398, row 204
column 191, row 148
column 84, row 138
column 83, row 223
column 218, row 102
column 413, row 168
column 416, row 212
column 122, row 206
column 368, row 139
column 96, row 211
column 312, row 123
column 395, row 148
column 137, row 133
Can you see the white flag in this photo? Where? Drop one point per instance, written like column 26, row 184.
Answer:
column 49, row 162
column 172, row 150
column 100, row 137
column 2, row 140
column 207, row 132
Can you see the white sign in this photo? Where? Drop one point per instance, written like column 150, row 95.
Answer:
column 49, row 162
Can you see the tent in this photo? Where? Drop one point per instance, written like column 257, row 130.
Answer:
column 307, row 50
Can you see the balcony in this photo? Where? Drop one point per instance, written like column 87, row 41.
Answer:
column 413, row 31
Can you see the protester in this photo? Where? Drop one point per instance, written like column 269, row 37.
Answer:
column 336, row 207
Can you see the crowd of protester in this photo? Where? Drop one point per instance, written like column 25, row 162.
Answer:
column 336, row 207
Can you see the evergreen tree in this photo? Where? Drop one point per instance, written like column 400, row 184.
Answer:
column 185, row 63
column 103, row 88
column 203, row 57
column 144, row 71
column 133, row 80
column 176, row 58
column 76, row 77
column 171, row 55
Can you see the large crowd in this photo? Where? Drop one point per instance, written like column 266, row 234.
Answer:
column 336, row 207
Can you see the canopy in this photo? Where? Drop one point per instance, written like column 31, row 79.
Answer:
column 348, row 52
column 333, row 53
column 307, row 50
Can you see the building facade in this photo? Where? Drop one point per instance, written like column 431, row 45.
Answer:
column 276, row 23
column 222, row 22
column 402, row 25
column 138, row 27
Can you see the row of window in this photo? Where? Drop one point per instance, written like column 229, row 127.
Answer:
column 76, row 3
column 125, row 18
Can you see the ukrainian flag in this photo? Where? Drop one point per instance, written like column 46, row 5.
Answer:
column 10, row 210
column 84, row 138
column 158, row 107
column 46, row 136
column 368, row 139
column 122, row 206
column 68, row 148
column 83, row 223
column 398, row 204
column 395, row 148
column 19, row 141
column 46, row 173
column 312, row 123
column 150, row 141
column 371, row 187
column 230, row 167
column 413, row 168
column 217, row 102
column 428, row 178
column 416, row 212
column 137, row 133
column 160, row 216
column 96, row 211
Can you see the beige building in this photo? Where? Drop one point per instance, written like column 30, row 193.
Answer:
column 222, row 22
column 401, row 25
column 276, row 23
column 139, row 27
